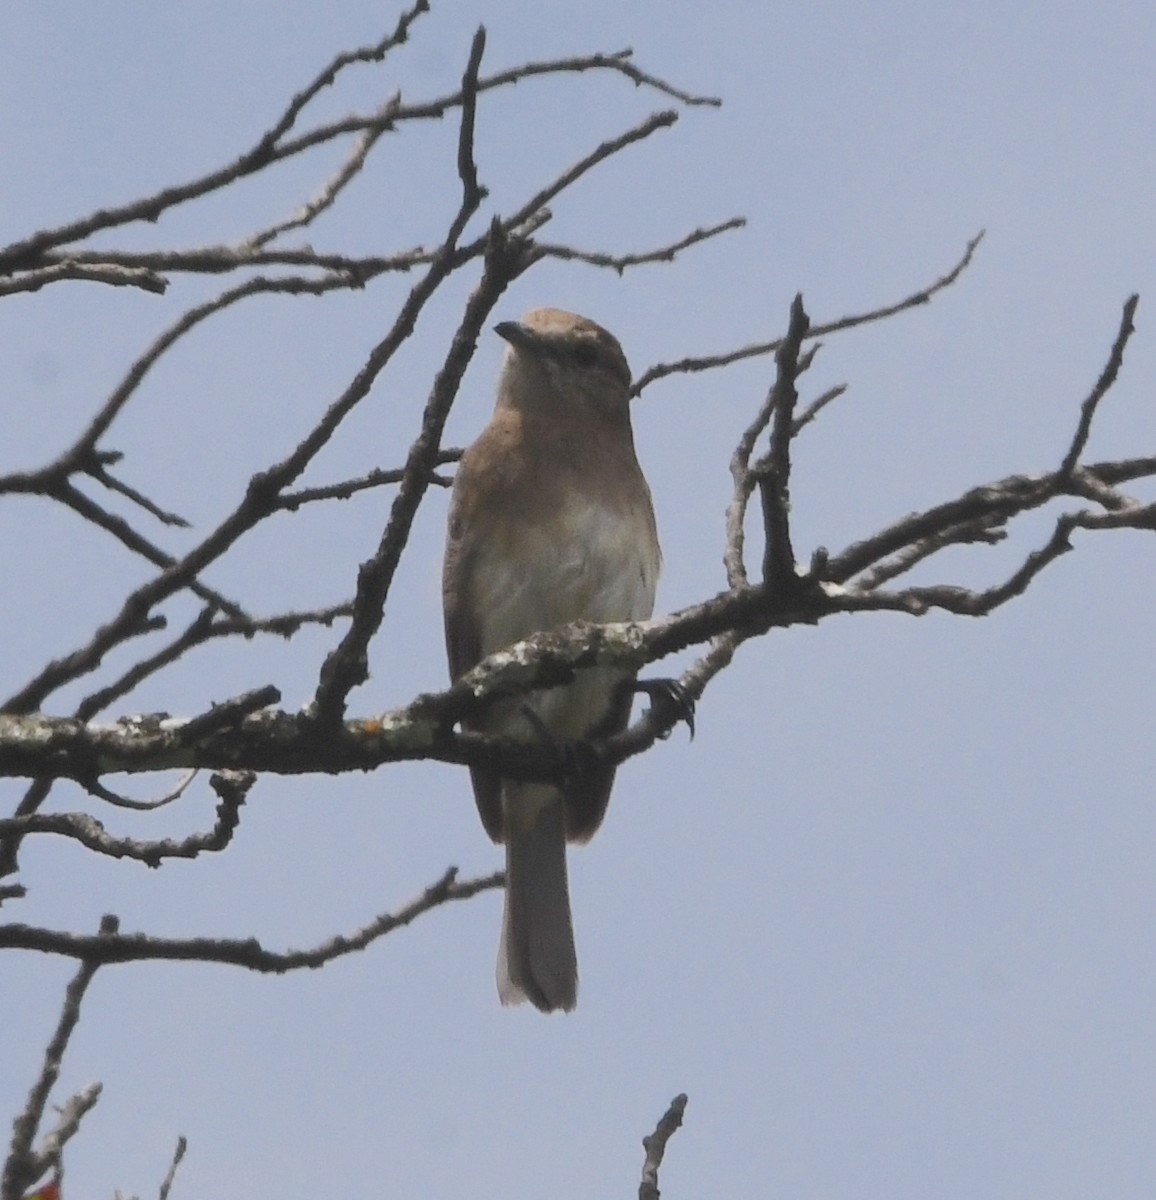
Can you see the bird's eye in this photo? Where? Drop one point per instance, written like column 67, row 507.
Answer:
column 586, row 355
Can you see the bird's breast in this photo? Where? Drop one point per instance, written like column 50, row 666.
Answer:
column 582, row 562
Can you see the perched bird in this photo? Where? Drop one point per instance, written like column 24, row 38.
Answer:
column 550, row 522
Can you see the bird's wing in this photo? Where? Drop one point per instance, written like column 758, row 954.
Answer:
column 463, row 649
column 588, row 794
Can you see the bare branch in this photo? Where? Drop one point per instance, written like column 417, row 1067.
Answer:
column 34, row 796
column 1124, row 471
column 621, row 262
column 230, row 713
column 328, row 195
column 50, row 1151
column 202, row 629
column 744, row 482
column 291, row 501
column 774, row 470
column 100, row 473
column 24, row 1166
column 83, row 506
column 986, row 529
column 684, row 366
column 85, row 272
column 997, row 503
column 131, row 623
column 538, row 202
column 816, row 407
column 274, row 146
column 257, row 286
column 915, row 300
column 247, row 953
column 1103, row 384
column 25, row 254
column 655, row 1147
column 259, row 501
column 967, row 603
column 472, row 194
column 171, row 1174
column 231, row 786
column 280, row 742
column 82, row 456
column 95, row 788
column 618, row 61
column 327, row 76
column 347, row 666
column 220, row 260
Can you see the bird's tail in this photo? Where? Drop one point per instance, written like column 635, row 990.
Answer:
column 536, row 959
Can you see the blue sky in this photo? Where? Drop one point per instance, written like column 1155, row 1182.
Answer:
column 888, row 920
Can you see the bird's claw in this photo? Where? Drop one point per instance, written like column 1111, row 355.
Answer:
column 671, row 701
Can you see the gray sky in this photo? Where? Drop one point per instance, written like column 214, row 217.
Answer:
column 888, row 920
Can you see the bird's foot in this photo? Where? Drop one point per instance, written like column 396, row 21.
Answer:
column 670, row 701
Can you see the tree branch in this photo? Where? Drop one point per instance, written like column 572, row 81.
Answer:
column 655, row 1147
column 690, row 366
column 247, row 952
column 23, row 1166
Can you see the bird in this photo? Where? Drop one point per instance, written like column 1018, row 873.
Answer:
column 550, row 521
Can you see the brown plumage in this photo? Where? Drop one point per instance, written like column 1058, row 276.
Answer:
column 551, row 522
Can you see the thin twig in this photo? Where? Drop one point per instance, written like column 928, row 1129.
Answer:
column 101, row 474
column 327, row 196
column 229, row 714
column 171, row 1174
column 24, row 254
column 655, row 1146
column 23, row 1166
column 291, row 501
column 202, row 629
column 257, row 286
column 684, row 366
column 1103, row 384
column 258, row 502
column 73, row 498
column 621, row 262
column 92, row 272
column 618, row 61
column 816, row 407
column 774, row 470
column 743, row 486
column 232, row 787
column 965, row 602
column 327, row 76
column 95, row 788
column 347, row 666
column 274, row 146
column 988, row 529
column 539, row 201
column 243, row 952
column 223, row 260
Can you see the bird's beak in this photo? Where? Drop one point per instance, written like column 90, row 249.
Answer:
column 517, row 335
